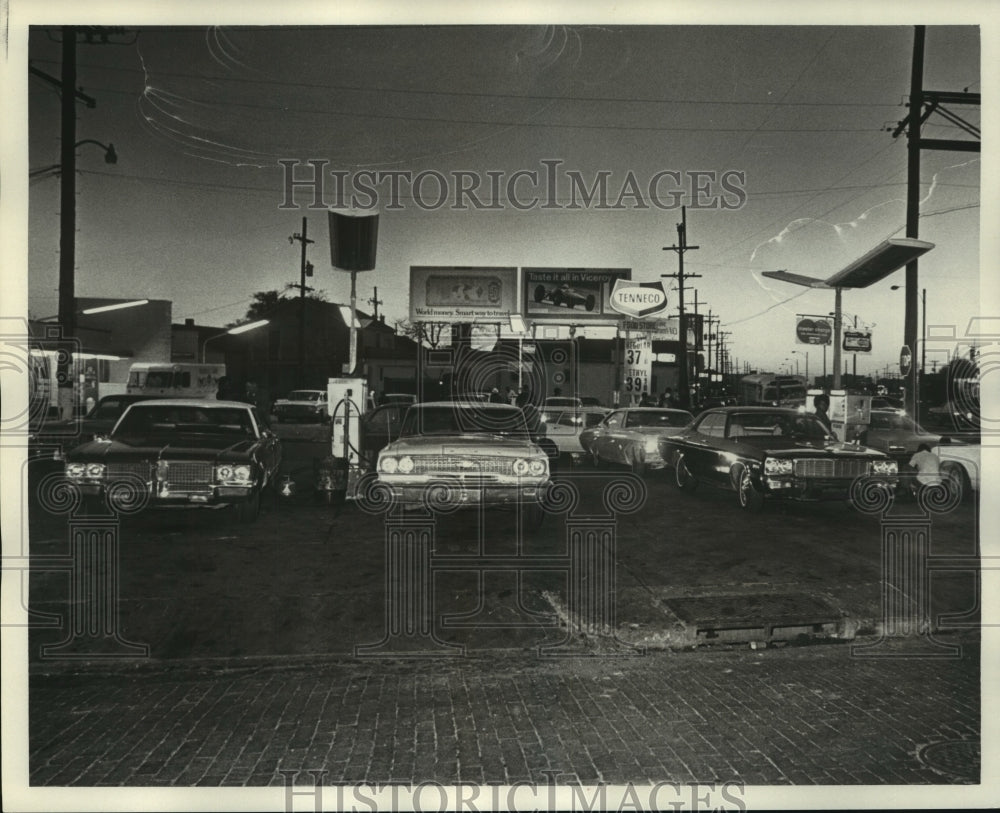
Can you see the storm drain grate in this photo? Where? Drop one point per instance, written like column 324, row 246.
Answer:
column 756, row 617
column 959, row 758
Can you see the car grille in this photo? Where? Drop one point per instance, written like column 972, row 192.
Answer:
column 454, row 464
column 184, row 474
column 831, row 469
column 122, row 470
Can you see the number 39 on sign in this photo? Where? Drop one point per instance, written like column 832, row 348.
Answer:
column 638, row 366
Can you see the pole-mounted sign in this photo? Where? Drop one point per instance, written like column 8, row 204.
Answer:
column 905, row 360
column 638, row 299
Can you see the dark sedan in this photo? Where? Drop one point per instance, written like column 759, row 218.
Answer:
column 180, row 452
column 55, row 438
column 764, row 452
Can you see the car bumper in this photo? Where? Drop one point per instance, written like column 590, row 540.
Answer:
column 456, row 494
column 210, row 495
column 795, row 488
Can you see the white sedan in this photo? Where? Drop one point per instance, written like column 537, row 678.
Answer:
column 631, row 436
column 960, row 465
column 564, row 426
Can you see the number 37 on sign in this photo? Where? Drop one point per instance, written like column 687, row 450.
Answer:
column 638, row 366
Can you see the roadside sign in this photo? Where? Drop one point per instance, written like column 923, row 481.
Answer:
column 905, row 360
column 813, row 331
column 857, row 341
column 638, row 299
column 638, row 368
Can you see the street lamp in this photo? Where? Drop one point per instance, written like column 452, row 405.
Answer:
column 806, row 354
column 232, row 332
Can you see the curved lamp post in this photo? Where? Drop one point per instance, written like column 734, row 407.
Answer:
column 232, row 332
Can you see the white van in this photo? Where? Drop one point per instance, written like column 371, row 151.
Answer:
column 166, row 380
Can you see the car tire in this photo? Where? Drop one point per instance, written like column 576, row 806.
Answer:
column 247, row 512
column 557, row 297
column 539, row 293
column 749, row 498
column 683, row 477
column 595, row 458
column 957, row 480
column 639, row 466
column 591, row 301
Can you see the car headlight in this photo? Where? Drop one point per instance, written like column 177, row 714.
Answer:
column 388, row 464
column 406, row 464
column 538, row 467
column 233, row 473
column 521, row 467
column 885, row 467
column 777, row 465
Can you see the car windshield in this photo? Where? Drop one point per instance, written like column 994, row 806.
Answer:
column 304, row 395
column 665, row 417
column 146, row 421
column 454, row 420
column 776, row 424
column 107, row 410
column 557, row 401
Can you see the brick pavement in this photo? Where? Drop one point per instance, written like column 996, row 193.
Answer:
column 788, row 716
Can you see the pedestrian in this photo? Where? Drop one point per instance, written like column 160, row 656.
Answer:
column 495, row 396
column 821, row 403
column 646, row 400
column 522, row 398
column 927, row 465
column 667, row 399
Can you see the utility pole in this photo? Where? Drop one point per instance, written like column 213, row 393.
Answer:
column 681, row 248
column 305, row 270
column 922, row 104
column 69, row 94
column 375, row 302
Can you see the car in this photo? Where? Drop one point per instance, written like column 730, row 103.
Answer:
column 960, row 465
column 379, row 427
column 563, row 427
column 466, row 454
column 557, row 403
column 896, row 434
column 55, row 438
column 771, row 452
column 302, row 405
column 181, row 453
column 590, row 401
column 631, row 436
column 405, row 398
column 565, row 295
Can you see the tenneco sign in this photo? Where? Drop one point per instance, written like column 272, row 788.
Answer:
column 638, row 299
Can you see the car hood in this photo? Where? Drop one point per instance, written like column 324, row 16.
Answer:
column 486, row 444
column 789, row 447
column 656, row 430
column 181, row 448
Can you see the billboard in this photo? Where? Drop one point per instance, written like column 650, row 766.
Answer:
column 639, row 300
column 857, row 341
column 813, row 330
column 462, row 293
column 571, row 296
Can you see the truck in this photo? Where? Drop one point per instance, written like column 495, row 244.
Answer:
column 169, row 380
column 771, row 389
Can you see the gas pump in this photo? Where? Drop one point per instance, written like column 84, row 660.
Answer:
column 850, row 413
column 339, row 473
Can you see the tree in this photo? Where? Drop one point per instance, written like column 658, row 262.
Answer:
column 265, row 303
column 429, row 333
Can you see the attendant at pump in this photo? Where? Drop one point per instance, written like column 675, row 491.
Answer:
column 667, row 399
column 647, row 400
column 928, row 466
column 821, row 403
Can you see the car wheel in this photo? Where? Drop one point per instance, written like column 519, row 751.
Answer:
column 750, row 499
column 596, row 459
column 957, row 480
column 539, row 293
column 683, row 477
column 249, row 510
column 557, row 298
column 591, row 301
column 639, row 465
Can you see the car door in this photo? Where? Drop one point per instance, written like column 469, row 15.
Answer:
column 701, row 445
column 269, row 446
column 603, row 444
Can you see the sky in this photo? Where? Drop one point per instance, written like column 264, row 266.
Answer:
column 775, row 137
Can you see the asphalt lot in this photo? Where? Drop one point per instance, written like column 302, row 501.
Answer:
column 309, row 578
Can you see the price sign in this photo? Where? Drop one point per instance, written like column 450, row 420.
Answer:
column 638, row 367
